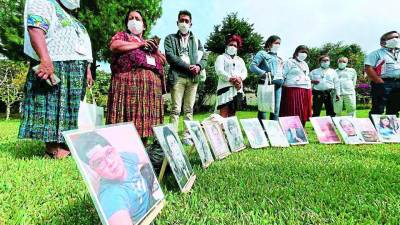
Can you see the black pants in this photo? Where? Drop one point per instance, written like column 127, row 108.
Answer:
column 386, row 96
column 322, row 98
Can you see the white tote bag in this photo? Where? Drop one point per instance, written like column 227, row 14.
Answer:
column 90, row 115
column 266, row 95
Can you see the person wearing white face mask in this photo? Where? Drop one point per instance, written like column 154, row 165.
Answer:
column 231, row 71
column 296, row 92
column 345, row 88
column 383, row 69
column 59, row 47
column 323, row 83
column 268, row 61
column 186, row 57
column 137, row 81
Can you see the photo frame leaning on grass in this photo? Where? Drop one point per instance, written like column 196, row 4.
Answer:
column 293, row 130
column 275, row 134
column 367, row 130
column 255, row 133
column 388, row 128
column 325, row 130
column 200, row 142
column 118, row 173
column 348, row 130
column 217, row 140
column 233, row 134
column 176, row 156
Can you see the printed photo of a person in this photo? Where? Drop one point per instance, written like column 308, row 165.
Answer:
column 200, row 142
column 350, row 134
column 177, row 160
column 388, row 127
column 255, row 133
column 294, row 130
column 275, row 133
column 367, row 130
column 217, row 140
column 325, row 130
column 124, row 185
column 234, row 135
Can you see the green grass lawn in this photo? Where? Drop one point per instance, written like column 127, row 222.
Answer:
column 313, row 184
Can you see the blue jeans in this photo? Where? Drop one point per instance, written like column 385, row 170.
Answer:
column 278, row 93
column 387, row 96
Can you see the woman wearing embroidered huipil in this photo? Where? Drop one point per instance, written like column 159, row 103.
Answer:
column 231, row 71
column 61, row 46
column 137, row 78
column 296, row 91
column 265, row 61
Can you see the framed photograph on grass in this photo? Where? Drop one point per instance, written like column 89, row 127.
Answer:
column 255, row 133
column 293, row 130
column 234, row 134
column 275, row 134
column 175, row 154
column 325, row 130
column 367, row 130
column 200, row 142
column 348, row 130
column 217, row 140
column 388, row 128
column 118, row 173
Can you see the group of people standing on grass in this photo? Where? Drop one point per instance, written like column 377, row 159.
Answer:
column 60, row 45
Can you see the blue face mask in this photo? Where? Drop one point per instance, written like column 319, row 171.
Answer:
column 325, row 65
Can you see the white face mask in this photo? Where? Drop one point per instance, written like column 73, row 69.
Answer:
column 302, row 56
column 392, row 43
column 231, row 50
column 275, row 48
column 184, row 27
column 135, row 26
column 70, row 4
column 325, row 65
column 342, row 65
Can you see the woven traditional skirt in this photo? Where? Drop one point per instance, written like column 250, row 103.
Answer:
column 136, row 97
column 48, row 111
column 296, row 102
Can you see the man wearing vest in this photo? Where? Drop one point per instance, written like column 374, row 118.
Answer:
column 183, row 51
column 383, row 69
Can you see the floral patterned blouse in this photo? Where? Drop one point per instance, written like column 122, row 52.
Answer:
column 66, row 38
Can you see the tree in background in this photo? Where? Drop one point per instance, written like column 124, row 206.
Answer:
column 12, row 80
column 252, row 42
column 101, row 88
column 335, row 51
column 102, row 18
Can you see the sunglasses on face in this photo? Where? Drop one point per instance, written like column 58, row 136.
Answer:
column 184, row 21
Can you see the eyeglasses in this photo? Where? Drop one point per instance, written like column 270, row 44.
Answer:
column 184, row 21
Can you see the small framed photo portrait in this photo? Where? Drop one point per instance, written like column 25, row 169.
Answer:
column 176, row 156
column 348, row 130
column 325, row 130
column 255, row 133
column 387, row 127
column 275, row 134
column 217, row 139
column 293, row 130
column 200, row 142
column 367, row 130
column 118, row 173
column 234, row 134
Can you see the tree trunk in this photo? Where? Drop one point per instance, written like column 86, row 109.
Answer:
column 8, row 110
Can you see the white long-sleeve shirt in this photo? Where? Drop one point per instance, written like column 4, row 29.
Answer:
column 227, row 67
column 296, row 74
column 346, row 82
column 326, row 78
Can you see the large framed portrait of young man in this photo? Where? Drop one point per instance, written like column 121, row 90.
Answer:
column 118, row 173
